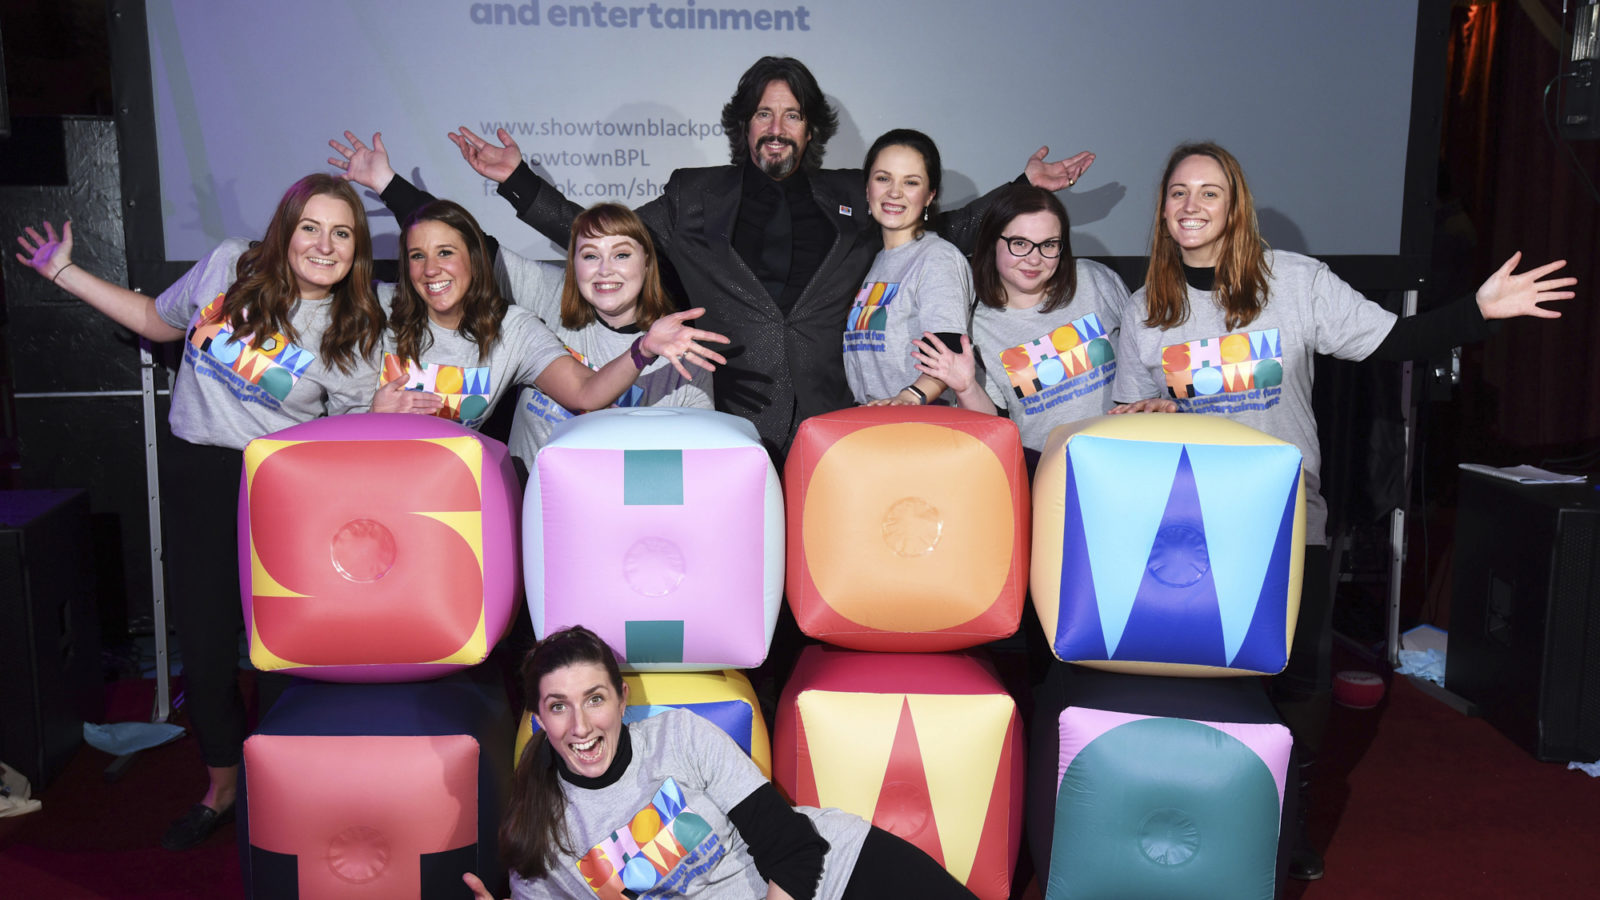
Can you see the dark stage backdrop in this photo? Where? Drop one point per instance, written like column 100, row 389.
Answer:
column 1534, row 391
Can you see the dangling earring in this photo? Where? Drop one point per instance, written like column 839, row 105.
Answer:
column 924, row 214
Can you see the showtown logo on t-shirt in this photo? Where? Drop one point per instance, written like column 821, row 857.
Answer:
column 863, row 328
column 464, row 390
column 1211, row 374
column 656, row 854
column 262, row 372
column 1052, row 367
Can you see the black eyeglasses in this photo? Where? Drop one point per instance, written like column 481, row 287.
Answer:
column 1021, row 246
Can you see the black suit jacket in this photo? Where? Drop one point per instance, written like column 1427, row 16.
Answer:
column 782, row 368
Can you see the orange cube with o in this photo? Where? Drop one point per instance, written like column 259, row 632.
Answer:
column 908, row 528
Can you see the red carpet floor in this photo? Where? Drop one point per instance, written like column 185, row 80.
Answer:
column 1417, row 802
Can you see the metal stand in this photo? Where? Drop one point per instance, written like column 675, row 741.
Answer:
column 162, row 706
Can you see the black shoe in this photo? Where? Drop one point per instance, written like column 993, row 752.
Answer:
column 196, row 825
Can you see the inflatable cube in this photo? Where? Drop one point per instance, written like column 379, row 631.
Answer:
column 928, row 746
column 661, row 530
column 375, row 790
column 376, row 547
column 1164, row 787
column 725, row 699
column 1168, row 544
column 908, row 528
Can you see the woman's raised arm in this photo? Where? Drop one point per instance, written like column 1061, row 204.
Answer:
column 51, row 257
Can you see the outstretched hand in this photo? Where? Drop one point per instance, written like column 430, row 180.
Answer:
column 1506, row 296
column 393, row 397
column 46, row 254
column 366, row 166
column 671, row 338
column 1053, row 176
column 488, row 160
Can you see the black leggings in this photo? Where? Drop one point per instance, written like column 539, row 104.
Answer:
column 1303, row 692
column 889, row 866
column 199, row 527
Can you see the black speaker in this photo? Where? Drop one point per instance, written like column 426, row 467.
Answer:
column 1579, row 88
column 50, row 677
column 1524, row 621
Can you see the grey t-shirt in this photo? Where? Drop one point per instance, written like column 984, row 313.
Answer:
column 536, row 287
column 921, row 285
column 1049, row 368
column 229, row 393
column 1261, row 376
column 689, row 773
column 470, row 386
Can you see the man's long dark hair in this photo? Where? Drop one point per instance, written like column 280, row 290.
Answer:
column 821, row 120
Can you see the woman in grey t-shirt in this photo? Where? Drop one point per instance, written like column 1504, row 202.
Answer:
column 1226, row 326
column 919, row 282
column 1044, row 325
column 670, row 806
column 275, row 332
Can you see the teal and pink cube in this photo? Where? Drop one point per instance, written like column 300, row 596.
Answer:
column 662, row 531
column 1151, row 806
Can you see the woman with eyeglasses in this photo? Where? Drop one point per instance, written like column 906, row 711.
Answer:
column 1044, row 326
column 919, row 282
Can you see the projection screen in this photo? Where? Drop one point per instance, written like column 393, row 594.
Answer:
column 1332, row 107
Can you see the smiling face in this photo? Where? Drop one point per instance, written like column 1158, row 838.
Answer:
column 610, row 272
column 777, row 132
column 898, row 192
column 1196, row 209
column 580, row 711
column 1024, row 277
column 322, row 246
column 439, row 269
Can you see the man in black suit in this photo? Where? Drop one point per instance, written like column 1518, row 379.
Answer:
column 773, row 246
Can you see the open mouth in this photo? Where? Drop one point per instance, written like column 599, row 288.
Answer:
column 587, row 752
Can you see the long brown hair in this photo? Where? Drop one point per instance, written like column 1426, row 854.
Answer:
column 263, row 294
column 613, row 220
column 534, row 832
column 1242, row 267
column 1012, row 201
column 482, row 307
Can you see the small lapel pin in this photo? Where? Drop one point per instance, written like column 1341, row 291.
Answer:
column 845, row 210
